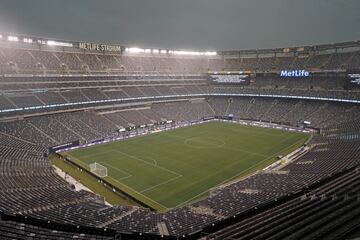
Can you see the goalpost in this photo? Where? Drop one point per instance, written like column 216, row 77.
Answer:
column 98, row 169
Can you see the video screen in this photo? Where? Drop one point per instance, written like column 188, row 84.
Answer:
column 353, row 78
column 233, row 77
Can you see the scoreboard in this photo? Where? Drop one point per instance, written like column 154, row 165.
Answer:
column 230, row 77
column 353, row 78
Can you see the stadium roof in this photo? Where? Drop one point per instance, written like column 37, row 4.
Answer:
column 186, row 24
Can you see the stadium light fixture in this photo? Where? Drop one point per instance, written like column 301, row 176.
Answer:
column 13, row 39
column 61, row 44
column 210, row 53
column 41, row 41
column 27, row 40
column 193, row 53
column 50, row 43
column 0, row 36
column 164, row 51
column 134, row 50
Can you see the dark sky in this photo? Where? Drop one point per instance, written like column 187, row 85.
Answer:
column 186, row 24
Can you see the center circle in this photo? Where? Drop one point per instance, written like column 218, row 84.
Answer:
column 204, row 142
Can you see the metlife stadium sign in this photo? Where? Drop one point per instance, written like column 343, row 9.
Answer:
column 99, row 47
column 294, row 73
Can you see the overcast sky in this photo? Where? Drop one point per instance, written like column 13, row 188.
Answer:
column 186, row 24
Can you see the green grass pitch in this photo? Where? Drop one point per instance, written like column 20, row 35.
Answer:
column 172, row 168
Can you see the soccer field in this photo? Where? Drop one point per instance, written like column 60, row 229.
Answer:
column 172, row 168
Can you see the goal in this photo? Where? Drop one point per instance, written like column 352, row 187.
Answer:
column 98, row 169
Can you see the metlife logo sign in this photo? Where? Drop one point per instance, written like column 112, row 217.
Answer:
column 294, row 73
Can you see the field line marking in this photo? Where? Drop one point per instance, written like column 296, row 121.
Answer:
column 261, row 161
column 196, row 139
column 187, row 201
column 154, row 160
column 242, row 150
column 92, row 155
column 128, row 175
column 78, row 160
column 222, row 146
column 160, row 184
column 139, row 193
column 253, row 130
column 146, row 162
column 132, row 188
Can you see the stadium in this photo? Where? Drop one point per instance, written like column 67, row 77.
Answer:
column 108, row 141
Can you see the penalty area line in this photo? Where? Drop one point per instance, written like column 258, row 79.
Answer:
column 146, row 162
column 160, row 184
column 128, row 175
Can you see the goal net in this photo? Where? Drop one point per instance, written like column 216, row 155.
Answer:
column 98, row 169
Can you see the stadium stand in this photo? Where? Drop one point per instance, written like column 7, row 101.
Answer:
column 320, row 187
